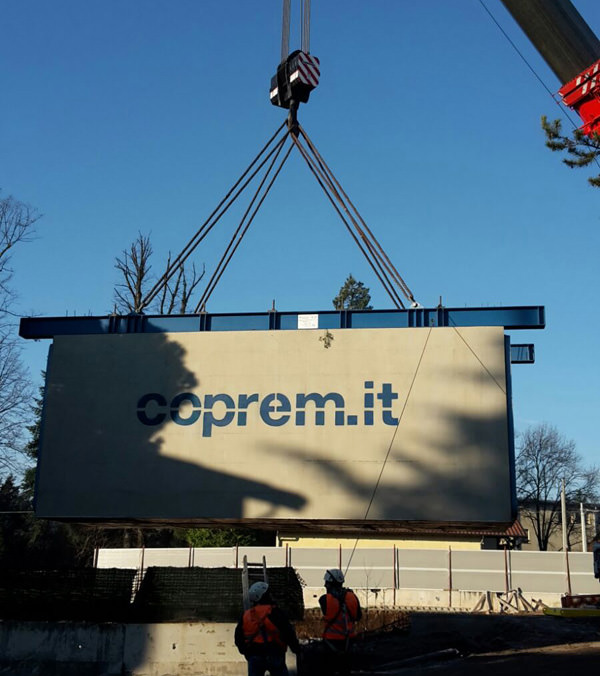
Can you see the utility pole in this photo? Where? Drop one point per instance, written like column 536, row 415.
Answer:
column 563, row 508
column 583, row 529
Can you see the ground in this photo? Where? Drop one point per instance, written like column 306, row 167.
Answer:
column 449, row 644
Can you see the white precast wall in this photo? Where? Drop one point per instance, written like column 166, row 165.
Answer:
column 278, row 425
column 535, row 573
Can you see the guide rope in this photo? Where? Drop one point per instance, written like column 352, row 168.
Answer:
column 483, row 366
column 389, row 450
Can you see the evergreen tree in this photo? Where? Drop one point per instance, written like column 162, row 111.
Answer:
column 352, row 296
column 32, row 446
column 581, row 150
column 227, row 537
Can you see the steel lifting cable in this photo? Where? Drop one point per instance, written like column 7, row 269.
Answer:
column 237, row 236
column 383, row 256
column 372, row 244
column 384, row 282
column 207, row 226
column 377, row 260
column 216, row 272
column 318, row 171
column 285, row 30
column 387, row 455
column 362, row 235
column 381, row 274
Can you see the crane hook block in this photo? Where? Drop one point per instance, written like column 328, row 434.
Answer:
column 296, row 77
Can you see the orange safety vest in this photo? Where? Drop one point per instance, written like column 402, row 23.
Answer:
column 340, row 618
column 258, row 628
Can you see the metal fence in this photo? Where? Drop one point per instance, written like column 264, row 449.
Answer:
column 390, row 568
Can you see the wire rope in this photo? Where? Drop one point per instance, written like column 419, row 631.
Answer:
column 277, row 150
column 207, row 293
column 389, row 450
column 207, row 226
column 385, row 282
column 379, row 261
column 404, row 287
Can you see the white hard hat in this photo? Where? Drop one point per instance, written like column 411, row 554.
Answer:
column 334, row 575
column 257, row 591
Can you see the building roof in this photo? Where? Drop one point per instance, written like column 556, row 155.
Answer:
column 446, row 529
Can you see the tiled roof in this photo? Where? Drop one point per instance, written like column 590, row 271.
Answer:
column 449, row 529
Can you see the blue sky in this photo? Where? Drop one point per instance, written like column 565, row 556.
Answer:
column 119, row 117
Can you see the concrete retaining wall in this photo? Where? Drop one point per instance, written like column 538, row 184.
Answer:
column 86, row 649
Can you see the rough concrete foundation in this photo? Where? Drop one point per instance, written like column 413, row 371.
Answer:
column 87, row 649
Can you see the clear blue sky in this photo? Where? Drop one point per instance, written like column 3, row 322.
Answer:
column 137, row 115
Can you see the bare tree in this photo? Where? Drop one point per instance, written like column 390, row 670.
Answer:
column 17, row 224
column 135, row 268
column 545, row 458
column 176, row 294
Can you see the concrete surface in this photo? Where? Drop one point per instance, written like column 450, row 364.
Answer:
column 87, row 649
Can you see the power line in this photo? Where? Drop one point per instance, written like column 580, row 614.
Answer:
column 526, row 62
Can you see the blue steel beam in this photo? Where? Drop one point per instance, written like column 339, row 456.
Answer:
column 516, row 317
column 522, row 354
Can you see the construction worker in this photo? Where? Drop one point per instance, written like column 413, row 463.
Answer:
column 263, row 634
column 341, row 611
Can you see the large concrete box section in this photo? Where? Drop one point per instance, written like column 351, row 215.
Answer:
column 278, row 425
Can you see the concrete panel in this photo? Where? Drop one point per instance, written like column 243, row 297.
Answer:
column 206, row 557
column 119, row 558
column 580, row 566
column 177, row 558
column 278, row 425
column 369, row 568
column 472, row 571
column 422, row 569
column 539, row 571
column 275, row 556
column 321, row 557
column 536, row 573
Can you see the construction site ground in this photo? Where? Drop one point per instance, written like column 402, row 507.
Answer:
column 450, row 643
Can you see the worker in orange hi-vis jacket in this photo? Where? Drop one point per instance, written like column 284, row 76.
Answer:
column 341, row 611
column 263, row 634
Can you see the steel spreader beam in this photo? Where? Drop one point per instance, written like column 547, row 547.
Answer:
column 516, row 317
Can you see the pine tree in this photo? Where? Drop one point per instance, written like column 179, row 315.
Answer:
column 581, row 150
column 32, row 446
column 352, row 296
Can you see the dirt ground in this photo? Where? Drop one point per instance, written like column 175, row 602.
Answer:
column 450, row 644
